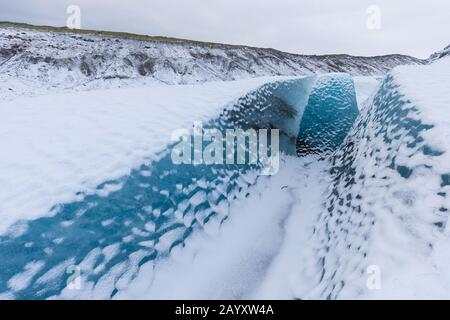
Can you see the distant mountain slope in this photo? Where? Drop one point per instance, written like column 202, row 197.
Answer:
column 440, row 54
column 47, row 57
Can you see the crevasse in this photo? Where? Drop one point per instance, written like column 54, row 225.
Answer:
column 154, row 209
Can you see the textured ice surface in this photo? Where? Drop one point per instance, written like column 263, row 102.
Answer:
column 382, row 201
column 126, row 222
column 386, row 207
column 365, row 87
column 256, row 253
column 278, row 105
column 36, row 62
column 329, row 114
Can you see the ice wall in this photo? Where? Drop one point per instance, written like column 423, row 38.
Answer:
column 277, row 105
column 387, row 206
column 329, row 114
column 142, row 217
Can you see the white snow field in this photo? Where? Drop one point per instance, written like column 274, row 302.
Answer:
column 367, row 222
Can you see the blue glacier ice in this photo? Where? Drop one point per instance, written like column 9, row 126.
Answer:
column 160, row 204
column 329, row 114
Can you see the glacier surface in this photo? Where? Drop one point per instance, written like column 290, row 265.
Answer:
column 374, row 198
column 34, row 62
column 146, row 214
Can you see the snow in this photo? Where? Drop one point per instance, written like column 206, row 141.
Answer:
column 255, row 254
column 365, row 86
column 329, row 114
column 292, row 273
column 428, row 87
column 22, row 280
column 314, row 230
column 58, row 145
column 387, row 206
column 421, row 264
column 37, row 62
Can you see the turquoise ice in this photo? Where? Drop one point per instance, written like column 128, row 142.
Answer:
column 329, row 114
column 158, row 206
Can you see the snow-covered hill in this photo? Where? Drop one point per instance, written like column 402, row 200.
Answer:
column 33, row 61
column 387, row 206
column 440, row 54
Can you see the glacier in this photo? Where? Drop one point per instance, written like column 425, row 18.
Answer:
column 152, row 210
column 361, row 184
column 330, row 113
column 35, row 62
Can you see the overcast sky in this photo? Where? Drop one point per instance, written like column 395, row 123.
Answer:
column 414, row 27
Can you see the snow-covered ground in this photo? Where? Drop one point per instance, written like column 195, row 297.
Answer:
column 253, row 255
column 256, row 255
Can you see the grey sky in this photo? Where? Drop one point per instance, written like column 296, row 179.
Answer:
column 414, row 27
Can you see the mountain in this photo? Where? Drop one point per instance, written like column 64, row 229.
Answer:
column 33, row 57
column 440, row 54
